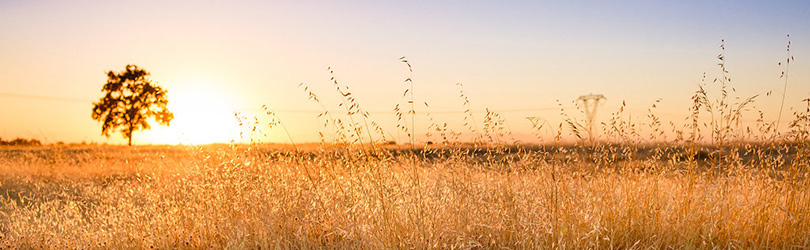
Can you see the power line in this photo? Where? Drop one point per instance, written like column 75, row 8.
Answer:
column 65, row 99
column 418, row 112
column 40, row 97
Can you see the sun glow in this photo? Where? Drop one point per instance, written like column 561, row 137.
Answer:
column 203, row 114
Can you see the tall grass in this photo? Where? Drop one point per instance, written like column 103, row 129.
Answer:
column 271, row 197
column 632, row 188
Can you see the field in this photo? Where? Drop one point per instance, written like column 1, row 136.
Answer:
column 714, row 182
column 454, row 197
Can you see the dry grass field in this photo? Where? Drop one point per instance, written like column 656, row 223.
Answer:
column 715, row 183
column 454, row 197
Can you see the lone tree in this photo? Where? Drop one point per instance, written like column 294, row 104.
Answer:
column 130, row 100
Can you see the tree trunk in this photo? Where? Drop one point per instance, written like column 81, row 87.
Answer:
column 129, row 135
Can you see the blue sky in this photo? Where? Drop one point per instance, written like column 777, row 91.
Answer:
column 508, row 54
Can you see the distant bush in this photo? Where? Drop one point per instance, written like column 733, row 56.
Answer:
column 20, row 142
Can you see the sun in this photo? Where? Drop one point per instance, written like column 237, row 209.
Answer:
column 203, row 114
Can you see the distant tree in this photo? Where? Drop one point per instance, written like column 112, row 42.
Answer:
column 130, row 100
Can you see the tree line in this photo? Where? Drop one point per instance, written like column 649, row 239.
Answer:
column 20, row 142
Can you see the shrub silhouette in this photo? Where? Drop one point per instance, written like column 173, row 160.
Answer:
column 130, row 100
column 20, row 142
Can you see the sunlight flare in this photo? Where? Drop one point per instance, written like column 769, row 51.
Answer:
column 204, row 114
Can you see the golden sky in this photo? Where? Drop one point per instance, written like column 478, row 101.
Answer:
column 517, row 57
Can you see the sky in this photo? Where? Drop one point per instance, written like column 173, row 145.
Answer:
column 518, row 58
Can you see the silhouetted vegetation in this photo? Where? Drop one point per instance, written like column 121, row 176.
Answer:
column 130, row 100
column 20, row 142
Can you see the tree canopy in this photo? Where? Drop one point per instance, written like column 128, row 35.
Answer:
column 130, row 99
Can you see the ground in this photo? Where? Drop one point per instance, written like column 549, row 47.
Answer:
column 470, row 196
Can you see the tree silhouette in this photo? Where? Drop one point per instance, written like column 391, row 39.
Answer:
column 130, row 100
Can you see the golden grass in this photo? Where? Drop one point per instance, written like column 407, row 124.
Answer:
column 747, row 188
column 271, row 197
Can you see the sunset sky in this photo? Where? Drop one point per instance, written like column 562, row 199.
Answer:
column 517, row 57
